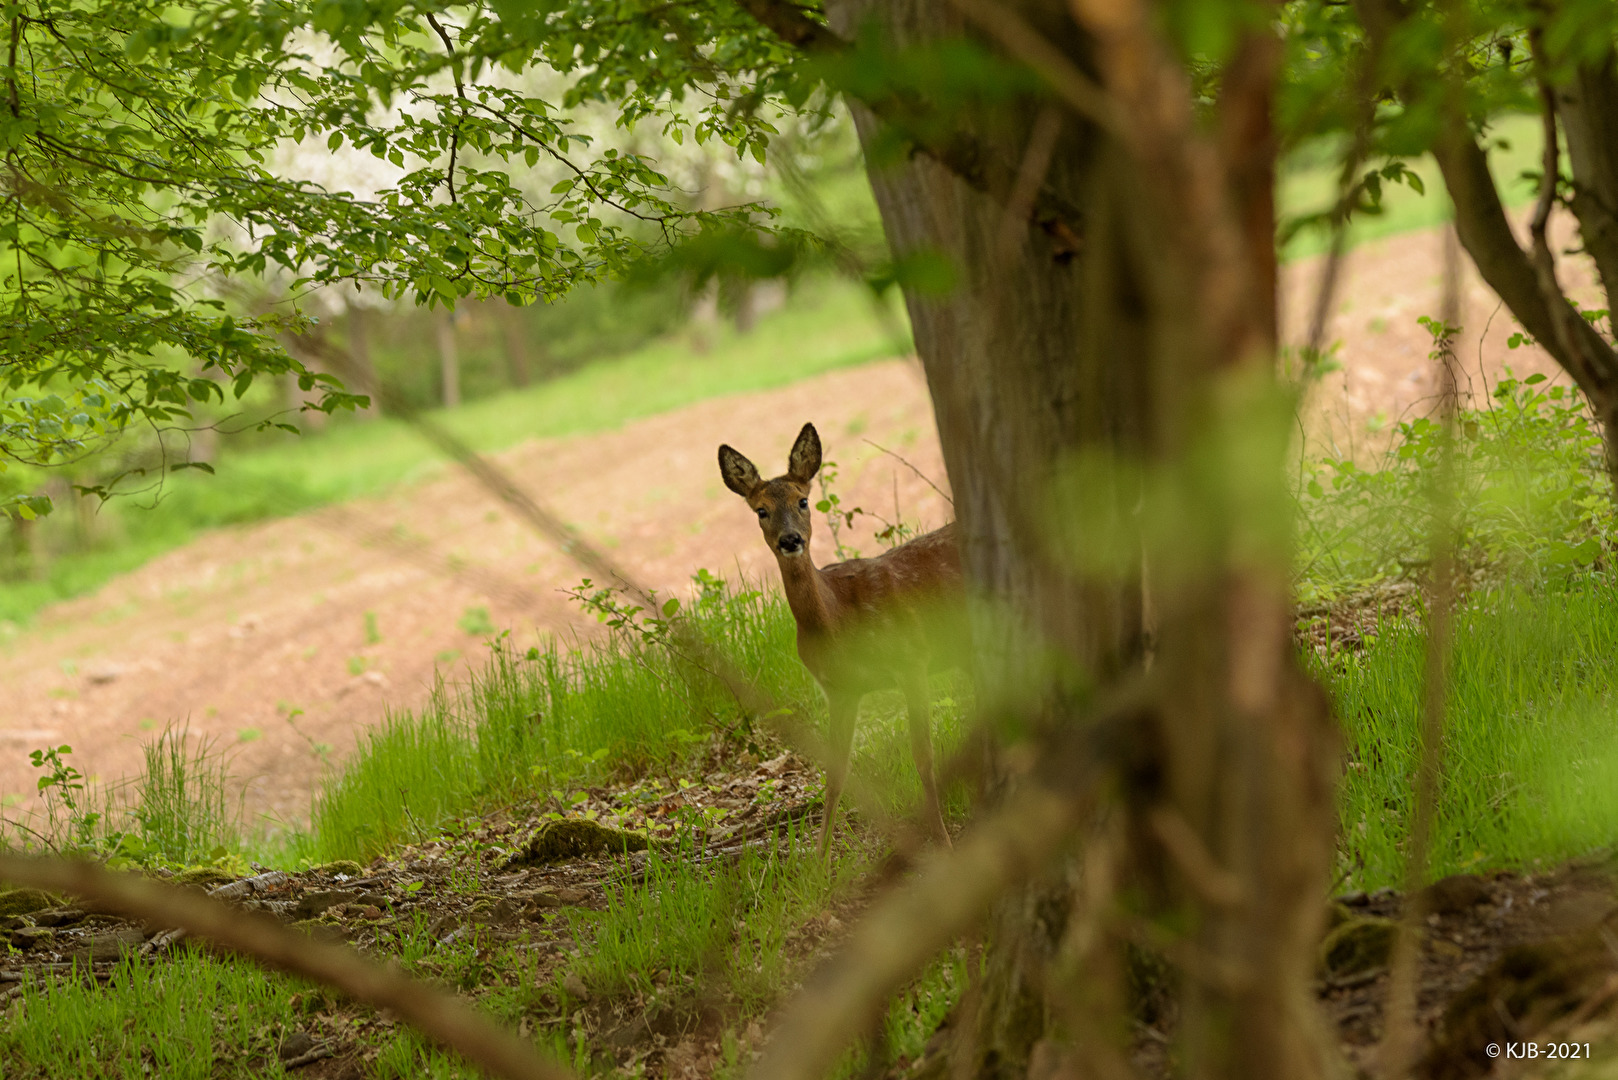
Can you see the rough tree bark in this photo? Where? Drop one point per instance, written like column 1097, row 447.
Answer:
column 1018, row 379
column 1131, row 347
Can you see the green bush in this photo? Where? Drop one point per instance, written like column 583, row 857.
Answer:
column 1532, row 497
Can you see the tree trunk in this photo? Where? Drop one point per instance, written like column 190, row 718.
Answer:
column 1059, row 378
column 449, row 364
column 1588, row 107
column 1020, row 378
column 358, row 326
column 514, row 334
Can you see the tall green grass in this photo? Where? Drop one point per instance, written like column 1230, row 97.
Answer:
column 1530, row 766
column 555, row 716
column 182, row 809
column 194, row 1017
column 532, row 723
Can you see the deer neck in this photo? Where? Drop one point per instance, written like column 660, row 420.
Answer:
column 808, row 594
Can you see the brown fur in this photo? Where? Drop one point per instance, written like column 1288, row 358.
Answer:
column 863, row 624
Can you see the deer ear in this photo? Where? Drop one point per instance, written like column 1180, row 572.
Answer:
column 804, row 460
column 738, row 473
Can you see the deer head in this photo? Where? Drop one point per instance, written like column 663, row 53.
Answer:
column 782, row 504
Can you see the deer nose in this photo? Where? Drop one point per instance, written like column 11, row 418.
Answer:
column 790, row 543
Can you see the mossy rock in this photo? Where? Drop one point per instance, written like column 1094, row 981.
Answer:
column 574, row 838
column 1338, row 913
column 207, row 877
column 25, row 902
column 1358, row 944
column 346, row 867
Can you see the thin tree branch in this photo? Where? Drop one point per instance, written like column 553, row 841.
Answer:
column 460, row 92
column 446, row 1019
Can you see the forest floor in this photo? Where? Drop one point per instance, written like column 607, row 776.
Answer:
column 281, row 640
column 1507, row 958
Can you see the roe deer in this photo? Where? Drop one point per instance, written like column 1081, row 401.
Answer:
column 863, row 624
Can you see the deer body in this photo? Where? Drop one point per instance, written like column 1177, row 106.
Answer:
column 863, row 624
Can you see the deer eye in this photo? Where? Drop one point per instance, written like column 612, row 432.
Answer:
column 803, row 504
column 762, row 514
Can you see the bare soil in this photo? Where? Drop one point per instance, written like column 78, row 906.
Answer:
column 257, row 637
column 233, row 634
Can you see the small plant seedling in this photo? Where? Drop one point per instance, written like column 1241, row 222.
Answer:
column 476, row 621
column 373, row 636
column 62, row 785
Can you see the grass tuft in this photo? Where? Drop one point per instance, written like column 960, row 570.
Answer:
column 1531, row 748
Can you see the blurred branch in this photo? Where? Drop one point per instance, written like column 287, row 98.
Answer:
column 1401, row 1038
column 445, row 1018
column 970, row 159
column 903, row 930
column 1027, row 44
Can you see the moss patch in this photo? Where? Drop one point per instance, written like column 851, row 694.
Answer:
column 24, row 902
column 574, row 838
column 345, row 867
column 205, row 876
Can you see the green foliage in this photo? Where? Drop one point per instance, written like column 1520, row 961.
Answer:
column 146, row 147
column 1532, row 496
column 62, row 787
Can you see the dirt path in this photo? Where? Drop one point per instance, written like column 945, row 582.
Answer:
column 234, row 632
column 283, row 639
column 1384, row 374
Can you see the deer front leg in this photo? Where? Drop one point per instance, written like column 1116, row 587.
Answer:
column 919, row 704
column 842, row 708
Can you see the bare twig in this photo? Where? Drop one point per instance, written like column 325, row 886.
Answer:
column 446, row 1019
column 924, row 477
